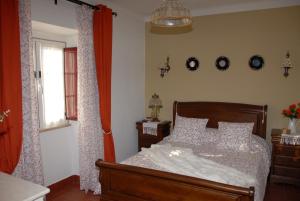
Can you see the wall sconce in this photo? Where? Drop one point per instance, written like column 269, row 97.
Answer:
column 164, row 70
column 287, row 65
column 155, row 104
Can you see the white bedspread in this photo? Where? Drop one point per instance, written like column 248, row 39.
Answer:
column 255, row 163
column 183, row 161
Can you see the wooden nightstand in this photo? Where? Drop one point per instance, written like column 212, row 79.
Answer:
column 285, row 161
column 146, row 140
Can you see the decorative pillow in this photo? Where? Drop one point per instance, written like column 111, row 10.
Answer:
column 188, row 130
column 236, row 136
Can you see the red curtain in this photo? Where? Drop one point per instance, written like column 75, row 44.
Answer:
column 71, row 82
column 10, row 85
column 103, row 57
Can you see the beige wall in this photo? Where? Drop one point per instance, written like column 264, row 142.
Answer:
column 269, row 33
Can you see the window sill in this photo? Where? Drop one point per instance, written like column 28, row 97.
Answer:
column 67, row 124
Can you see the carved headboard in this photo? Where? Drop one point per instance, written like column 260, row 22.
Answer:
column 228, row 112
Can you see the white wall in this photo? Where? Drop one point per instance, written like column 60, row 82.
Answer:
column 71, row 41
column 59, row 156
column 60, row 147
column 128, row 80
column 62, row 14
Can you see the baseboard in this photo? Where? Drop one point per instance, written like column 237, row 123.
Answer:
column 59, row 186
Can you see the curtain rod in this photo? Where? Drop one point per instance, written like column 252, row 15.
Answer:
column 87, row 4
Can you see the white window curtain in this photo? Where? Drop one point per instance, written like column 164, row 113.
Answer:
column 49, row 60
column 53, row 78
column 30, row 163
column 90, row 134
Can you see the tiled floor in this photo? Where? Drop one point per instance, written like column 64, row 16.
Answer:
column 275, row 192
column 71, row 193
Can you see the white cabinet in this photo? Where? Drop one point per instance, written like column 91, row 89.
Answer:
column 15, row 189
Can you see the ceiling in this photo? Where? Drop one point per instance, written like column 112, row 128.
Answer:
column 203, row 7
column 144, row 8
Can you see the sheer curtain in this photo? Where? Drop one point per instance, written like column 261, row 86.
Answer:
column 30, row 164
column 90, row 134
column 50, row 61
column 53, row 96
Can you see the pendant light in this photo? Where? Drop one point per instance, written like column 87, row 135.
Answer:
column 171, row 13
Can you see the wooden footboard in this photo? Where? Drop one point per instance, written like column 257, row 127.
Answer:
column 130, row 183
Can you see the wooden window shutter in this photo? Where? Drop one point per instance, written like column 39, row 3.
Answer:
column 70, row 55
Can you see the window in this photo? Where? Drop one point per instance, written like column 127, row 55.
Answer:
column 71, row 82
column 49, row 74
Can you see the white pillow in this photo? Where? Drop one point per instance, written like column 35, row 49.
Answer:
column 210, row 135
column 188, row 130
column 236, row 136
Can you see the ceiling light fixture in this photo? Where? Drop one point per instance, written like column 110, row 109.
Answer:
column 171, row 13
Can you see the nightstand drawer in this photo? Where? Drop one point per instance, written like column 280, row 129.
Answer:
column 287, row 161
column 287, row 171
column 287, row 150
column 147, row 140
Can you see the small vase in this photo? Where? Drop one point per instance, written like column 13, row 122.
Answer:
column 292, row 125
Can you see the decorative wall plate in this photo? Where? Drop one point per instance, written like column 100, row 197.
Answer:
column 222, row 63
column 256, row 62
column 192, row 63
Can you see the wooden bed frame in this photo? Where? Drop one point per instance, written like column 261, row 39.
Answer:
column 130, row 183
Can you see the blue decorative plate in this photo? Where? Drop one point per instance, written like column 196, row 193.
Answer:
column 256, row 62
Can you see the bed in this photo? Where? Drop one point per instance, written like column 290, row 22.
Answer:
column 133, row 181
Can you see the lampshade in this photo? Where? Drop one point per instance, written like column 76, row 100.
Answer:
column 155, row 101
column 171, row 13
column 155, row 105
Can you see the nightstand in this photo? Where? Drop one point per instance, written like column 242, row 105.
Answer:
column 146, row 140
column 285, row 161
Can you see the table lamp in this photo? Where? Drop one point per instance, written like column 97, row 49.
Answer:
column 155, row 104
